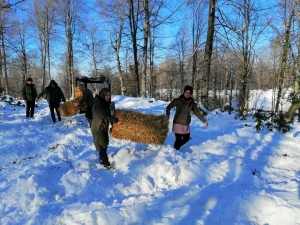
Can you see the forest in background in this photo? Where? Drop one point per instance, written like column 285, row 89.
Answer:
column 153, row 48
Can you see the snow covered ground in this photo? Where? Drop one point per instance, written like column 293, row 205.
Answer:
column 227, row 174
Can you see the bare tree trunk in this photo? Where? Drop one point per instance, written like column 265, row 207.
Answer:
column 68, row 19
column 1, row 74
column 4, row 64
column 95, row 67
column 133, row 21
column 116, row 46
column 145, row 47
column 70, row 59
column 208, row 53
column 43, row 58
column 24, row 62
column 44, row 16
column 243, row 96
column 285, row 49
column 196, row 35
column 49, row 60
column 153, row 84
column 181, row 53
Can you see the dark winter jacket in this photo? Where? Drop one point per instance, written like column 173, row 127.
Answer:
column 184, row 108
column 29, row 92
column 101, row 112
column 54, row 95
column 88, row 98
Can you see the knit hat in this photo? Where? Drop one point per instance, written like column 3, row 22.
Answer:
column 188, row 88
column 29, row 79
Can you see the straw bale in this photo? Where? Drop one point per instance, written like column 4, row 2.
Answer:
column 68, row 108
column 141, row 128
column 77, row 93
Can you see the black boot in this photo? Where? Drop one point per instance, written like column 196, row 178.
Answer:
column 103, row 156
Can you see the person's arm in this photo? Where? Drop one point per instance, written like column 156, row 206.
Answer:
column 107, row 116
column 35, row 93
column 24, row 93
column 42, row 93
column 83, row 98
column 199, row 114
column 171, row 105
column 62, row 96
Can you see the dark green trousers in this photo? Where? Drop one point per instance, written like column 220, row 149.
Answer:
column 101, row 141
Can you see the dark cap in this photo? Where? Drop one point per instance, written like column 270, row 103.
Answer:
column 29, row 79
column 188, row 88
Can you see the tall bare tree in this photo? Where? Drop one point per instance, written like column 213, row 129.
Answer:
column 69, row 11
column 44, row 14
column 134, row 17
column 114, row 13
column 243, row 28
column 93, row 45
column 181, row 48
column 146, row 36
column 289, row 13
column 4, row 17
column 198, row 28
column 208, row 52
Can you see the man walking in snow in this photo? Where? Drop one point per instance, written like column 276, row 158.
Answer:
column 29, row 95
column 54, row 96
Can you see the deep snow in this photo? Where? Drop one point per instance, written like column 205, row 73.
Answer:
column 227, row 174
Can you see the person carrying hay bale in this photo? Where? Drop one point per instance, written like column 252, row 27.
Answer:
column 54, row 96
column 100, row 125
column 184, row 104
column 87, row 100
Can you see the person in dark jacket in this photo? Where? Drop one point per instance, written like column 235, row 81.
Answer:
column 54, row 96
column 100, row 124
column 87, row 101
column 29, row 95
column 185, row 105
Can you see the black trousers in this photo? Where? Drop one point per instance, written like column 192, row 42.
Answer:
column 181, row 139
column 89, row 115
column 30, row 108
column 55, row 106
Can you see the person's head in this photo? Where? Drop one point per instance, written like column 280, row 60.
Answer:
column 81, row 86
column 187, row 91
column 29, row 80
column 53, row 83
column 105, row 94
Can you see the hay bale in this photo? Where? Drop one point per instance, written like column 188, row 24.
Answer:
column 68, row 108
column 77, row 93
column 141, row 128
